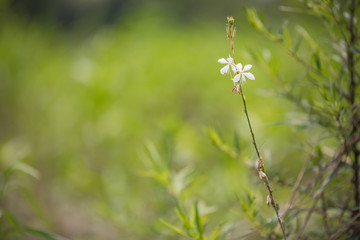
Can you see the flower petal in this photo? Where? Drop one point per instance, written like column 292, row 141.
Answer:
column 247, row 67
column 239, row 67
column 224, row 70
column 243, row 80
column 222, row 60
column 236, row 78
column 230, row 59
column 233, row 68
column 249, row 76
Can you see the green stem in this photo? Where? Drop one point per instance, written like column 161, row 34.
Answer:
column 265, row 180
column 249, row 123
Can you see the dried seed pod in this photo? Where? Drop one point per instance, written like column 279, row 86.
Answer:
column 268, row 200
column 262, row 175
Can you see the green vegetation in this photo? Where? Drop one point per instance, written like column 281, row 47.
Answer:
column 130, row 131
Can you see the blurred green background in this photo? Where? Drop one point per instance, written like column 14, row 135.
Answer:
column 85, row 86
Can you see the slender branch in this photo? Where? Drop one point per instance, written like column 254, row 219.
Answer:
column 345, row 227
column 296, row 186
column 324, row 215
column 345, row 207
column 351, row 59
column 338, row 23
column 356, row 210
column 249, row 123
column 336, row 159
column 352, row 90
column 301, row 230
column 261, row 168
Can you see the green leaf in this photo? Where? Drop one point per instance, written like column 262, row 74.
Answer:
column 236, row 142
column 317, row 60
column 254, row 19
column 198, row 221
column 36, row 207
column 181, row 215
column 174, row 228
column 160, row 176
column 214, row 136
column 298, row 43
column 25, row 168
column 287, row 37
column 44, row 235
column 307, row 37
column 154, row 155
column 215, row 234
column 11, row 219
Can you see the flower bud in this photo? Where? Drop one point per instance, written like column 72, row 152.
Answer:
column 260, row 164
column 268, row 200
column 230, row 21
column 262, row 175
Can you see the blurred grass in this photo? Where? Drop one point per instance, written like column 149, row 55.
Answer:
column 84, row 107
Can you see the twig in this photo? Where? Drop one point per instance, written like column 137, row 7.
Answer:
column 345, row 227
column 352, row 90
column 324, row 214
column 351, row 58
column 318, row 194
column 294, row 191
column 307, row 219
column 345, row 207
column 296, row 186
column 336, row 159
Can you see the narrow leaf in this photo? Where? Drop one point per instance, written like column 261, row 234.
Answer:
column 307, row 37
column 215, row 234
column 44, row 235
column 174, row 228
column 198, row 221
column 287, row 37
column 181, row 215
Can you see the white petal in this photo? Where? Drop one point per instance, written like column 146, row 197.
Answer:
column 247, row 67
column 236, row 78
column 243, row 80
column 224, row 70
column 233, row 68
column 230, row 60
column 239, row 67
column 249, row 76
column 222, row 60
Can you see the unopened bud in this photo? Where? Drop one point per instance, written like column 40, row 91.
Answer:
column 260, row 164
column 268, row 200
column 262, row 175
column 230, row 21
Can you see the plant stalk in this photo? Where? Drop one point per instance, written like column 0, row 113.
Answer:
column 352, row 92
column 261, row 167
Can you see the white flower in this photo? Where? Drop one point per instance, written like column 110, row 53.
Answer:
column 228, row 62
column 242, row 73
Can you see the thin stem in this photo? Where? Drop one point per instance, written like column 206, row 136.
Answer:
column 345, row 207
column 248, row 120
column 350, row 52
column 356, row 210
column 345, row 227
column 297, row 184
column 261, row 167
column 324, row 215
column 352, row 90
column 307, row 219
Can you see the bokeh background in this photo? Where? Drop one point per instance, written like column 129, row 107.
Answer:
column 87, row 86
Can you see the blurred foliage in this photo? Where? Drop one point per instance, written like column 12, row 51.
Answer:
column 88, row 116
